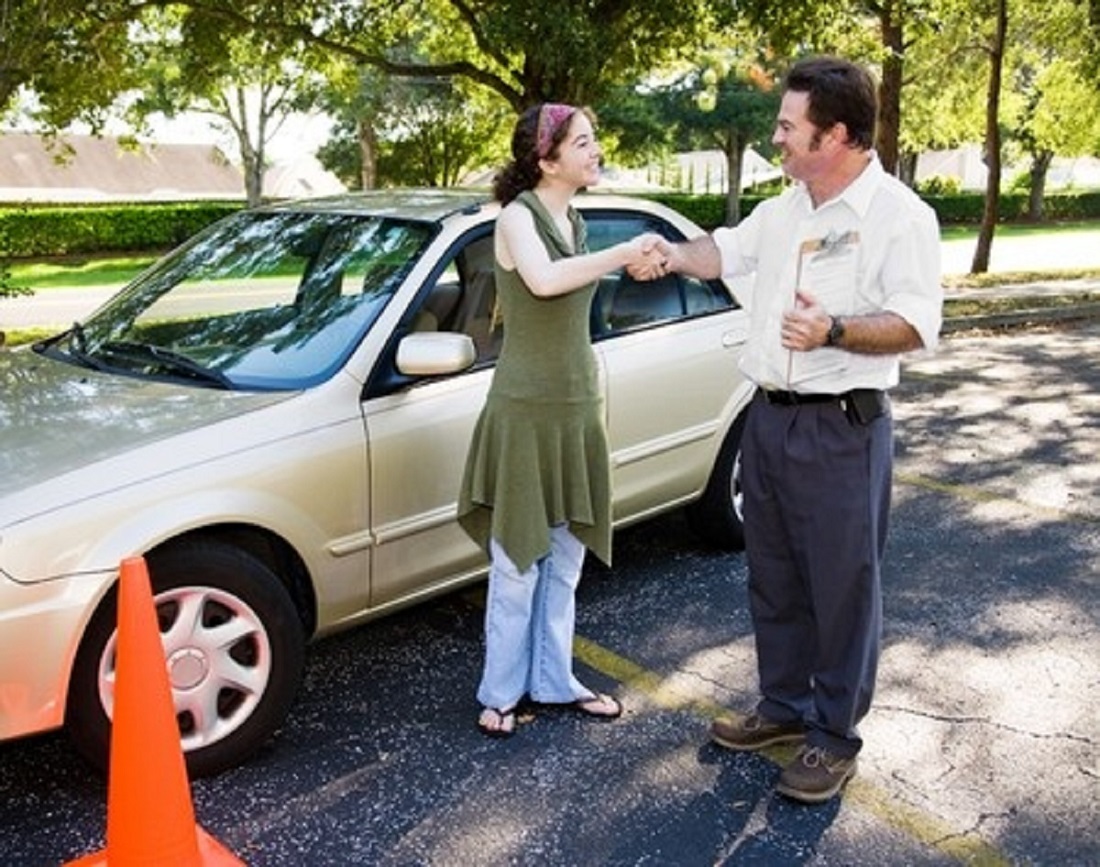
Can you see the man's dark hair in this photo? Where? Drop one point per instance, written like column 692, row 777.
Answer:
column 840, row 92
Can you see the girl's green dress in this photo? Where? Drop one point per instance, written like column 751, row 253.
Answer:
column 539, row 454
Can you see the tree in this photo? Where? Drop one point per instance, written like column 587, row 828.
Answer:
column 943, row 108
column 882, row 32
column 728, row 105
column 424, row 132
column 570, row 50
column 1057, row 110
column 995, row 50
column 356, row 98
column 75, row 55
column 248, row 83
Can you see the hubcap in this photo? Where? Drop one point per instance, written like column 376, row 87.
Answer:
column 187, row 668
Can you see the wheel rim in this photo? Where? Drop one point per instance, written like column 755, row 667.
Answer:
column 218, row 656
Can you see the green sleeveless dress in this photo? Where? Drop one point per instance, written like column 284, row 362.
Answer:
column 539, row 454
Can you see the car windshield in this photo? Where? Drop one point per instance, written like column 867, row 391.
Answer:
column 262, row 300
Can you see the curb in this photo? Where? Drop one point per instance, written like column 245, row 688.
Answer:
column 1020, row 318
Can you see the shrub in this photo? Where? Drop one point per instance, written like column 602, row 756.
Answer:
column 962, row 208
column 62, row 230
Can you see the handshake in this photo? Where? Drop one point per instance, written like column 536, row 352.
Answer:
column 650, row 257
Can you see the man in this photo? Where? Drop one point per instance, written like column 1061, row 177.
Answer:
column 847, row 277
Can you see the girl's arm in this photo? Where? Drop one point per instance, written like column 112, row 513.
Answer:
column 519, row 247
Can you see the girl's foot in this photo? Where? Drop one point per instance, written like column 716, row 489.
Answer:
column 600, row 706
column 496, row 723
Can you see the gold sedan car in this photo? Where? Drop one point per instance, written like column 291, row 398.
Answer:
column 276, row 417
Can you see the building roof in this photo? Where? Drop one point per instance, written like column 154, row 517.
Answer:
column 77, row 168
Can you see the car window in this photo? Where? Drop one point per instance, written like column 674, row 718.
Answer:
column 623, row 303
column 462, row 299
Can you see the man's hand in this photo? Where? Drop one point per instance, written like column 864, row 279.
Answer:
column 655, row 259
column 806, row 325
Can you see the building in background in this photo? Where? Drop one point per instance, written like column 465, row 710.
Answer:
column 88, row 169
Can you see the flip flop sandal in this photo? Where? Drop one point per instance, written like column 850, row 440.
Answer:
column 504, row 729
column 582, row 705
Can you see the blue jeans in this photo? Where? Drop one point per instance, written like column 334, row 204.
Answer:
column 529, row 623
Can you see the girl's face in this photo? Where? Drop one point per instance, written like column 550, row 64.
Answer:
column 578, row 159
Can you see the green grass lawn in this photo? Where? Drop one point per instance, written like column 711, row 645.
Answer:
column 78, row 272
column 1019, row 230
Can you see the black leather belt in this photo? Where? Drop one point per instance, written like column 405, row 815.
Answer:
column 861, row 405
column 797, row 398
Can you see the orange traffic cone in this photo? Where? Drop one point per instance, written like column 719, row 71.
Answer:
column 150, row 818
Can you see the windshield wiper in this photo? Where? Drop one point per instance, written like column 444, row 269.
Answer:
column 173, row 362
column 76, row 348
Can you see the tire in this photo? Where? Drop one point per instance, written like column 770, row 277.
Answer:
column 230, row 697
column 717, row 516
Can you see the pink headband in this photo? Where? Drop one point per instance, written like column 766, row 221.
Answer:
column 551, row 117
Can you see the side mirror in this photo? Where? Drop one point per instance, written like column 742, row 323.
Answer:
column 435, row 353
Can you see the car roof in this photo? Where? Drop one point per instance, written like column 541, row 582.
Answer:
column 433, row 204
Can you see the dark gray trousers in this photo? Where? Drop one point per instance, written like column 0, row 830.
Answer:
column 817, row 502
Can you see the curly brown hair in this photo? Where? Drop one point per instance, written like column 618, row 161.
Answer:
column 523, row 172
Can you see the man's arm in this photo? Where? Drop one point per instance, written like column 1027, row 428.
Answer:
column 698, row 257
column 807, row 326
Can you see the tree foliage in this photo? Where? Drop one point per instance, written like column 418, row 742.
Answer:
column 74, row 55
column 246, row 83
column 728, row 104
column 1056, row 109
column 420, row 132
column 569, row 50
column 429, row 59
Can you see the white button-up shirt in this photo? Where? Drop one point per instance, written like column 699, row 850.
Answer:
column 873, row 248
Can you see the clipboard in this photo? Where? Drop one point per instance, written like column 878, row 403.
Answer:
column 828, row 259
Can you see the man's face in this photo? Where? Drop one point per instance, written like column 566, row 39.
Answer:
column 798, row 140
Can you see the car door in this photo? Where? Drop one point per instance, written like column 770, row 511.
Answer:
column 669, row 350
column 419, row 430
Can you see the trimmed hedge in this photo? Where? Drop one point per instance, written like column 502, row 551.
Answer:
column 41, row 231
column 36, row 231
column 952, row 209
column 966, row 208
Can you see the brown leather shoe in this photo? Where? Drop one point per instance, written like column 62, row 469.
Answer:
column 754, row 732
column 815, row 775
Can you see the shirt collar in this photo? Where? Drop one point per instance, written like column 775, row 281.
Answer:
column 859, row 193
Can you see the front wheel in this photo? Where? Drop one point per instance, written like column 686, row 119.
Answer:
column 717, row 516
column 234, row 648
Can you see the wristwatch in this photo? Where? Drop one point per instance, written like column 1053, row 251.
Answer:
column 836, row 331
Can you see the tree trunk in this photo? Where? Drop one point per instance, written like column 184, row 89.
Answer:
column 735, row 153
column 907, row 168
column 253, row 180
column 889, row 91
column 980, row 264
column 368, row 153
column 1040, row 165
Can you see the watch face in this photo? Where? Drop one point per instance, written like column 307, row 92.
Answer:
column 836, row 331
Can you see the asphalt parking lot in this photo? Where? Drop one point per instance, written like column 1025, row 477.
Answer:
column 982, row 746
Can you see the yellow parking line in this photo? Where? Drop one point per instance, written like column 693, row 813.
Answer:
column 968, row 492
column 922, row 827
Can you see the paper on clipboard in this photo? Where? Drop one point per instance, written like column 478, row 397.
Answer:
column 826, row 270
